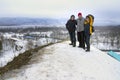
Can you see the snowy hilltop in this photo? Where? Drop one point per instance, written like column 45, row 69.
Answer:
column 64, row 62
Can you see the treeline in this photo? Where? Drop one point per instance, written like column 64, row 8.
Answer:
column 108, row 28
column 30, row 29
column 107, row 36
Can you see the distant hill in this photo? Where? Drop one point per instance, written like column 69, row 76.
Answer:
column 29, row 21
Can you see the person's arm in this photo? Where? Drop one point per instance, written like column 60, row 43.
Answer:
column 67, row 25
column 89, row 29
column 76, row 22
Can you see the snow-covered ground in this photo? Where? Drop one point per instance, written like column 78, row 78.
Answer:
column 63, row 62
column 8, row 53
column 106, row 46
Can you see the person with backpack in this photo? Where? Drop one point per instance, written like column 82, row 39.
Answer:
column 88, row 29
column 80, row 31
column 71, row 27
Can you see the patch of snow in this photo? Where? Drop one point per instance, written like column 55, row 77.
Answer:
column 7, row 35
column 44, row 41
column 68, row 63
column 9, row 55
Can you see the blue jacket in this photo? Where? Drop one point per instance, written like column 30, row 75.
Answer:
column 87, row 29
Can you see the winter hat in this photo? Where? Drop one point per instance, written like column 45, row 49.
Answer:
column 80, row 14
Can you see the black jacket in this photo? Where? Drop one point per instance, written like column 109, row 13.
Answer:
column 71, row 25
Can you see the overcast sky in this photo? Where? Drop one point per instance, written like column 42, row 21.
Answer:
column 106, row 11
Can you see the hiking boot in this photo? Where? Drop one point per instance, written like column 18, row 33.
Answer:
column 80, row 46
column 87, row 50
column 74, row 44
column 70, row 44
column 84, row 48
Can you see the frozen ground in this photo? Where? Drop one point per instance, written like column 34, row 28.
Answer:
column 8, row 55
column 63, row 62
column 106, row 46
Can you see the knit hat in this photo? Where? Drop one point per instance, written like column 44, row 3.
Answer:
column 79, row 14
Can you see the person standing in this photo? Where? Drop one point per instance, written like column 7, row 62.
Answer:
column 80, row 31
column 71, row 27
column 88, row 29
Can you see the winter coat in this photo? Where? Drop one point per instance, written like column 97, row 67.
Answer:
column 87, row 28
column 80, row 24
column 71, row 25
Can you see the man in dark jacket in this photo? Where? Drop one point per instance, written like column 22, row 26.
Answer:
column 71, row 27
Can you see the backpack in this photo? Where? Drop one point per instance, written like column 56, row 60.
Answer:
column 91, row 22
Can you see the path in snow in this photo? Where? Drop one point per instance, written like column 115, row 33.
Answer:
column 63, row 62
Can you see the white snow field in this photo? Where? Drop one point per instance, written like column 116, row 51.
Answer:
column 8, row 55
column 64, row 62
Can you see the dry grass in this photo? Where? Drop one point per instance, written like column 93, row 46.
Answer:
column 20, row 60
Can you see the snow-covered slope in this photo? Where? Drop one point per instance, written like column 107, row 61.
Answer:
column 8, row 55
column 63, row 62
